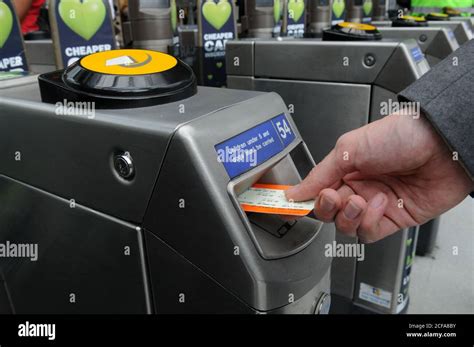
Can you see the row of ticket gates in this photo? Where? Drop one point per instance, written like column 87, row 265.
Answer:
column 135, row 209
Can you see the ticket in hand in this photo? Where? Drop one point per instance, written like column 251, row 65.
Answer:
column 270, row 198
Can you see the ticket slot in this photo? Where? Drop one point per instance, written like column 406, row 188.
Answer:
column 276, row 237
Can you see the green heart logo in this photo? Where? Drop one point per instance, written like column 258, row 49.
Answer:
column 217, row 14
column 84, row 18
column 174, row 15
column 276, row 10
column 367, row 7
column 338, row 7
column 219, row 64
column 6, row 23
column 295, row 9
column 209, row 77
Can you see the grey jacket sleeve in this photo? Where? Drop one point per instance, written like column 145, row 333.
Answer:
column 446, row 97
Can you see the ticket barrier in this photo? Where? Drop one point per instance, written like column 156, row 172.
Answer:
column 329, row 98
column 435, row 43
column 132, row 205
column 462, row 31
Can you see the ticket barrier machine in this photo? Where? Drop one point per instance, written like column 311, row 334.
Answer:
column 435, row 43
column 330, row 98
column 462, row 31
column 135, row 210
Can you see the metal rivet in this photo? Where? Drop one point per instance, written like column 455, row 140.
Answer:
column 123, row 165
column 369, row 59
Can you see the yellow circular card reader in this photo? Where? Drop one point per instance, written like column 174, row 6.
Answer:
column 436, row 16
column 122, row 78
column 410, row 21
column 348, row 31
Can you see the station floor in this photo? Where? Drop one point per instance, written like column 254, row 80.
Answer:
column 443, row 282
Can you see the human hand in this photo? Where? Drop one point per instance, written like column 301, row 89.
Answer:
column 391, row 174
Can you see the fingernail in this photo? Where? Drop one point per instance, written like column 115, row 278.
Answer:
column 326, row 204
column 352, row 211
column 377, row 201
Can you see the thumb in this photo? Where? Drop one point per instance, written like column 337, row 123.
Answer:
column 328, row 172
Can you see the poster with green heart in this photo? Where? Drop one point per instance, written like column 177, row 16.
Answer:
column 338, row 10
column 216, row 22
column 79, row 28
column 367, row 7
column 295, row 18
column 12, row 52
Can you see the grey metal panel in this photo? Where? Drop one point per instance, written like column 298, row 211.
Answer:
column 469, row 20
column 343, row 270
column 381, row 23
column 382, row 268
column 379, row 96
column 446, row 44
column 460, row 28
column 241, row 82
column 151, row 29
column 316, row 60
column 17, row 85
column 240, row 58
column 34, row 127
column 40, row 52
column 80, row 251
column 434, row 42
column 318, row 115
column 401, row 70
column 320, row 60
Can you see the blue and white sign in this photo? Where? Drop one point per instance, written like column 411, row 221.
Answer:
column 417, row 54
column 251, row 148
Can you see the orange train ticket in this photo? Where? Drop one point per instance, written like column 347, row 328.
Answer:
column 270, row 198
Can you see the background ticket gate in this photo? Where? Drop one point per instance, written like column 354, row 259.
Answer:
column 462, row 31
column 328, row 99
column 435, row 43
column 143, row 216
